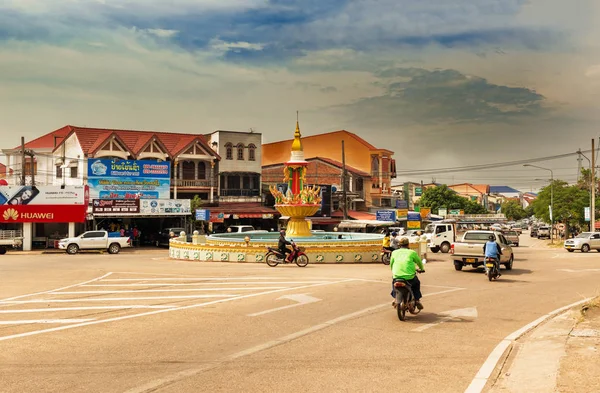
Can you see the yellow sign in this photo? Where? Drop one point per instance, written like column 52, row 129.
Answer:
column 413, row 224
column 401, row 214
column 425, row 213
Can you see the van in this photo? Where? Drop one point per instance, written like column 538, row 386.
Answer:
column 543, row 232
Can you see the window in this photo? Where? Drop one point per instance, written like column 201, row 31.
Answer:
column 28, row 167
column 229, row 151
column 251, row 152
column 59, row 172
column 240, row 151
column 440, row 229
column 90, row 235
column 74, row 172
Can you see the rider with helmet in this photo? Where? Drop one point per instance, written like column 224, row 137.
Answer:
column 404, row 263
column 394, row 241
column 282, row 245
column 492, row 250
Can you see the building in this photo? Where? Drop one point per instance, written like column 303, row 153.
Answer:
column 325, row 172
column 359, row 154
column 411, row 192
column 239, row 175
column 475, row 192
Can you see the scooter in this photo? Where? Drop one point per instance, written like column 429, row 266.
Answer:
column 274, row 257
column 386, row 255
column 492, row 269
column 405, row 299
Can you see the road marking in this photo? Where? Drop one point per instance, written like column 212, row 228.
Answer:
column 32, row 310
column 155, row 312
column 299, row 298
column 203, row 283
column 168, row 380
column 59, row 289
column 162, row 290
column 191, row 279
column 577, row 270
column 44, row 321
column 450, row 315
column 111, row 299
column 478, row 383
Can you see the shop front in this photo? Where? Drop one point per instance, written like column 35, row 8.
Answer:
column 141, row 219
column 43, row 214
column 229, row 214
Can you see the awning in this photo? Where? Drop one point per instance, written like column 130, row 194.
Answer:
column 361, row 224
column 244, row 210
column 356, row 215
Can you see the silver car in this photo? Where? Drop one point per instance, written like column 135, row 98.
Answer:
column 584, row 242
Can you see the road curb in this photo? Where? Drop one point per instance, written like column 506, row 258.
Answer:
column 483, row 375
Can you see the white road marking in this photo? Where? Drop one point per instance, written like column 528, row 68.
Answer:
column 577, row 270
column 203, row 283
column 478, row 383
column 161, row 290
column 32, row 310
column 59, row 289
column 190, row 279
column 155, row 312
column 299, row 298
column 113, row 299
column 450, row 315
column 159, row 383
column 44, row 321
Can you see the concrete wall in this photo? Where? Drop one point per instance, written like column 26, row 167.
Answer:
column 235, row 165
column 73, row 157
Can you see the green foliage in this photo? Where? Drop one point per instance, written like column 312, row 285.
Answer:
column 195, row 203
column 569, row 203
column 442, row 196
column 513, row 210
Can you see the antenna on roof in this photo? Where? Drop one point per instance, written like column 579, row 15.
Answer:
column 251, row 130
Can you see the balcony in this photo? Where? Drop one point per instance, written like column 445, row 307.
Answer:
column 204, row 183
column 234, row 192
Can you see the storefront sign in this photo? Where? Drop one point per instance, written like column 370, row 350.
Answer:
column 442, row 211
column 42, row 213
column 418, row 191
column 116, row 206
column 401, row 204
column 401, row 214
column 425, row 213
column 586, row 212
column 414, row 216
column 43, row 195
column 202, row 215
column 217, row 217
column 386, row 215
column 413, row 225
column 166, row 207
column 126, row 179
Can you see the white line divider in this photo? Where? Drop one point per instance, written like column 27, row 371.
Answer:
column 166, row 284
column 59, row 289
column 160, row 383
column 48, row 309
column 116, row 299
column 162, row 290
column 155, row 312
column 481, row 378
column 44, row 321
column 142, row 279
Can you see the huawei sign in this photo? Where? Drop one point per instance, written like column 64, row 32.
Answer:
column 10, row 214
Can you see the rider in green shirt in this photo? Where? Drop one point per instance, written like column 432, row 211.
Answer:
column 404, row 263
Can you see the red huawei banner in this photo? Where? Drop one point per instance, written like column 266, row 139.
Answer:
column 43, row 213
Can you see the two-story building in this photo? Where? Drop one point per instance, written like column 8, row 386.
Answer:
column 359, row 155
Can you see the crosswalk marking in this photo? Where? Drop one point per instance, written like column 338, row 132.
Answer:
column 45, row 321
column 49, row 309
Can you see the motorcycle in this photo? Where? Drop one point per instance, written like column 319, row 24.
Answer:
column 386, row 255
column 274, row 257
column 405, row 299
column 492, row 269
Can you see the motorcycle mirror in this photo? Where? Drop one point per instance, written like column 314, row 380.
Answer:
column 424, row 261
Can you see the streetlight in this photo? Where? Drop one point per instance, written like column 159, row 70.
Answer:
column 592, row 181
column 551, row 199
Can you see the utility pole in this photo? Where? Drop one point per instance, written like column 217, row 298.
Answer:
column 344, row 183
column 579, row 159
column 22, row 160
column 593, row 181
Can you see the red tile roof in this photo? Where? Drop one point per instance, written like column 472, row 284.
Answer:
column 361, row 140
column 48, row 141
column 92, row 139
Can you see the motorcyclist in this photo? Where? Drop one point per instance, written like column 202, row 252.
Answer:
column 386, row 241
column 394, row 241
column 282, row 245
column 404, row 263
column 491, row 249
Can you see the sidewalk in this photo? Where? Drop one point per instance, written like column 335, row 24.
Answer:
column 562, row 355
column 133, row 250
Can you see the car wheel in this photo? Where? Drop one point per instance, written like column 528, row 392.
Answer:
column 509, row 265
column 444, row 248
column 458, row 266
column 585, row 248
column 114, row 248
column 435, row 250
column 574, row 250
column 72, row 249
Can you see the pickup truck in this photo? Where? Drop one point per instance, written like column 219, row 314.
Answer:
column 470, row 250
column 543, row 232
column 10, row 239
column 512, row 236
column 243, row 228
column 94, row 240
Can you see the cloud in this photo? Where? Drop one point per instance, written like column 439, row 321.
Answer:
column 328, row 89
column 593, row 71
column 163, row 33
column 421, row 96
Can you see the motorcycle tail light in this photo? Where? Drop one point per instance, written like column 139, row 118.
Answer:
column 399, row 284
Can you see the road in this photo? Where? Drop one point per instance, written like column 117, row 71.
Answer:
column 144, row 323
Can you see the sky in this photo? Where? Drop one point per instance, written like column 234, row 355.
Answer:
column 442, row 83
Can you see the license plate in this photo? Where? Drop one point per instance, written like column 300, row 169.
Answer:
column 489, row 265
column 568, row 246
column 470, row 260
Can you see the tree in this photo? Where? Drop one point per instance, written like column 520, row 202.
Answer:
column 513, row 210
column 569, row 203
column 442, row 196
column 196, row 203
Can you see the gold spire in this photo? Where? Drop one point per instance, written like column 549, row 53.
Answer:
column 297, row 144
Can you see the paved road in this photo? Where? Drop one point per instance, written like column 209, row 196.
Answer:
column 143, row 323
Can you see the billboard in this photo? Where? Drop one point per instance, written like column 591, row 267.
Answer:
column 116, row 206
column 425, row 213
column 166, row 207
column 386, row 215
column 43, row 204
column 127, row 179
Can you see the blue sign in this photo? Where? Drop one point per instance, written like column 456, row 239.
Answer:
column 400, row 204
column 202, row 215
column 386, row 215
column 414, row 216
column 127, row 179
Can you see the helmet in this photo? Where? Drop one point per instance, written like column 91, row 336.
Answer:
column 492, row 238
column 394, row 234
column 282, row 232
column 404, row 241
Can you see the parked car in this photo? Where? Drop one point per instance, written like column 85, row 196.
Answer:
column 470, row 250
column 543, row 232
column 512, row 236
column 243, row 228
column 166, row 234
column 94, row 240
column 584, row 242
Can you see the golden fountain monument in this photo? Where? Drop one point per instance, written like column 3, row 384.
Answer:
column 300, row 201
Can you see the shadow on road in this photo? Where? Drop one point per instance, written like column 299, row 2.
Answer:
column 425, row 318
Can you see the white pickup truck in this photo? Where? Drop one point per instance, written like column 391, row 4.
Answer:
column 10, row 239
column 94, row 240
column 470, row 250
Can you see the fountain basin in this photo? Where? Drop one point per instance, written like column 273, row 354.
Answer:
column 321, row 247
